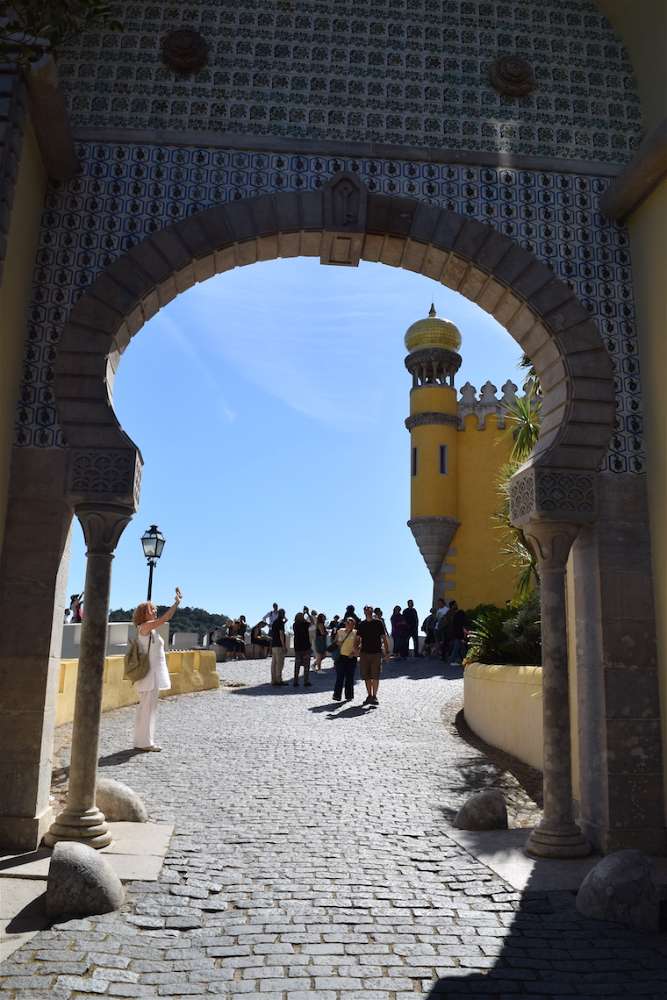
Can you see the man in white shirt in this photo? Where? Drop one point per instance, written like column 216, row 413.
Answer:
column 271, row 615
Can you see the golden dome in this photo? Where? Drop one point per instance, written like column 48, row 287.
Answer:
column 432, row 332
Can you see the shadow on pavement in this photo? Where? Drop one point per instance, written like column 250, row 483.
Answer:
column 119, row 757
column 414, row 669
column 31, row 918
column 350, row 713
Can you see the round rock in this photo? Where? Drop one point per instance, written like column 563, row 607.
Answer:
column 119, row 803
column 621, row 888
column 483, row 811
column 81, row 883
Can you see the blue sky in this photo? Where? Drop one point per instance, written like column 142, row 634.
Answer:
column 268, row 403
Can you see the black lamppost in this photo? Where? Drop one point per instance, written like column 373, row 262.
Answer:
column 152, row 542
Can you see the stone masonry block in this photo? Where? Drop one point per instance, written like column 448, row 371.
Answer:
column 392, row 251
column 263, row 211
column 288, row 212
column 507, row 307
column 473, row 283
column 492, row 251
column 454, row 272
column 470, row 238
column 95, row 315
column 490, row 296
column 78, row 339
column 390, row 215
column 116, row 296
column 550, row 298
column 433, row 263
column 240, row 221
column 521, row 325
column 593, row 364
column 311, row 211
column 423, row 224
column 512, row 265
column 414, row 255
column 533, row 278
column 149, row 260
column 448, row 226
column 168, row 243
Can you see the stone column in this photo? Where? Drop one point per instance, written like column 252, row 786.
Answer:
column 557, row 836
column 81, row 820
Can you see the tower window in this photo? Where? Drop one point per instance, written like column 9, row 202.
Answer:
column 414, row 461
column 443, row 459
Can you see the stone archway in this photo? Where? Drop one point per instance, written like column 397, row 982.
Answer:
column 552, row 495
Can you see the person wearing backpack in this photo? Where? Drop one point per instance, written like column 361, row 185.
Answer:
column 150, row 647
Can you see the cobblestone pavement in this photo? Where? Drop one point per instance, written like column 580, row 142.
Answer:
column 311, row 860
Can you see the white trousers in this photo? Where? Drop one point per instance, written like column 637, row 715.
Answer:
column 144, row 723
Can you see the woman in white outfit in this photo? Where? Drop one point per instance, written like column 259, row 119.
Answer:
column 157, row 679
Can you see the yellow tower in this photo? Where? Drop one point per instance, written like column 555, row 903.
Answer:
column 433, row 360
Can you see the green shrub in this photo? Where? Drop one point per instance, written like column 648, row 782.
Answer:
column 506, row 635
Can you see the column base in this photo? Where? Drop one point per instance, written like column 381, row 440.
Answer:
column 24, row 833
column 566, row 842
column 89, row 828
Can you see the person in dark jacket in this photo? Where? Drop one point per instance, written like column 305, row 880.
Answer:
column 302, row 649
column 456, row 635
column 412, row 620
column 399, row 633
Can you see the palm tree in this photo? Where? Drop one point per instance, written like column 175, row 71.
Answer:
column 524, row 418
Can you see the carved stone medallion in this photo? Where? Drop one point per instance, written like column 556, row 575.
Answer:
column 512, row 76
column 184, row 50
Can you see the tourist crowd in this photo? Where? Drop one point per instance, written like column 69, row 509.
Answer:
column 349, row 640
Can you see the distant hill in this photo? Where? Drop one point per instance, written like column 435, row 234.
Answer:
column 185, row 619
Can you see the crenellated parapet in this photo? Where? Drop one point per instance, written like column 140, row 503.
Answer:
column 488, row 403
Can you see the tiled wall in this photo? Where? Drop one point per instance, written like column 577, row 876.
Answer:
column 406, row 72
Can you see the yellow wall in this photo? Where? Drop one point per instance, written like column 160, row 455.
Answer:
column 648, row 226
column 15, row 295
column 189, row 670
column 476, row 566
column 434, row 494
column 503, row 705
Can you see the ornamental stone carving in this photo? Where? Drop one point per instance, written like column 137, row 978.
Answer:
column 104, row 475
column 184, row 50
column 553, row 495
column 512, row 76
column 345, row 204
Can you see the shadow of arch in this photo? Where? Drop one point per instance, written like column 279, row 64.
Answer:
column 341, row 224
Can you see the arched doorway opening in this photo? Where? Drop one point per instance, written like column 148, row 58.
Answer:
column 552, row 496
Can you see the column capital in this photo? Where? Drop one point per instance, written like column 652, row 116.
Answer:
column 540, row 493
column 102, row 526
column 551, row 542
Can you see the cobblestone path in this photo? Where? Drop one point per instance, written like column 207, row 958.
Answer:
column 311, row 860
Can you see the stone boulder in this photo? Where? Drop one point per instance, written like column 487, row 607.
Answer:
column 621, row 888
column 119, row 803
column 483, row 811
column 81, row 883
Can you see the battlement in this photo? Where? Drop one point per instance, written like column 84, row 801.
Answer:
column 488, row 403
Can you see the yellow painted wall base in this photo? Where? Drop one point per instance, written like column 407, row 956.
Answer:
column 503, row 705
column 189, row 670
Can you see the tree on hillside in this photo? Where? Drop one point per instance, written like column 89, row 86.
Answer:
column 185, row 620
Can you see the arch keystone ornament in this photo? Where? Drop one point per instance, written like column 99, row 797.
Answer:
column 345, row 207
